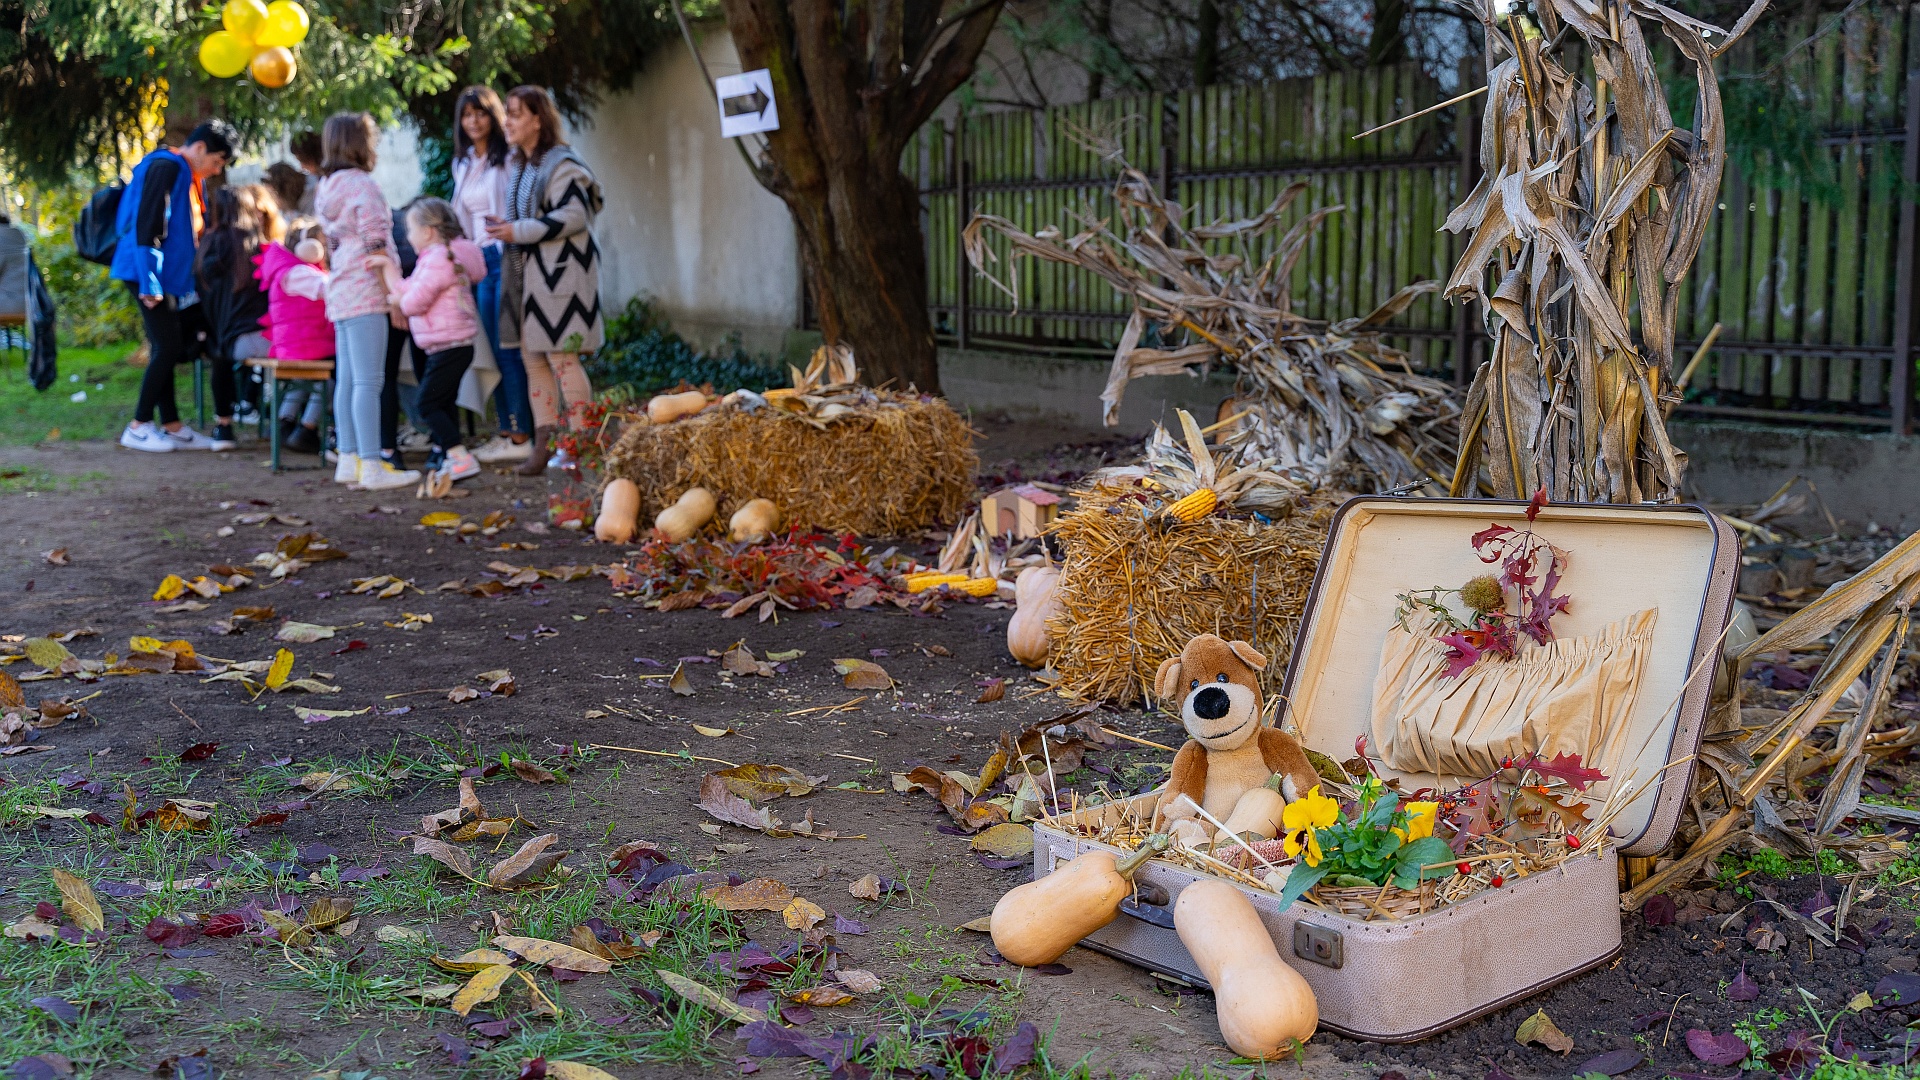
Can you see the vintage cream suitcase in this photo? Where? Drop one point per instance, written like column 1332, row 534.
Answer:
column 1501, row 945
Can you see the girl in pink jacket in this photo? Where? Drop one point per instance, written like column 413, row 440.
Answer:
column 438, row 302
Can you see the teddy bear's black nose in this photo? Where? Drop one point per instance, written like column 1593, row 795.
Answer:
column 1211, row 703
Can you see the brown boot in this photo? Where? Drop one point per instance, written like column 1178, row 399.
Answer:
column 536, row 463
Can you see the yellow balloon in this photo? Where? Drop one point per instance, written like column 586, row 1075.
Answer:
column 224, row 55
column 286, row 25
column 273, row 68
column 243, row 18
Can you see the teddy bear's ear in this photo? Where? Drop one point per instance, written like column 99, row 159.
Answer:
column 1248, row 655
column 1166, row 681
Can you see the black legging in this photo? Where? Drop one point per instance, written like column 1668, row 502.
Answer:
column 173, row 339
column 440, row 391
column 398, row 345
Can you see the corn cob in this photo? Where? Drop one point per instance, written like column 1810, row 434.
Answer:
column 921, row 582
column 980, row 586
column 1195, row 506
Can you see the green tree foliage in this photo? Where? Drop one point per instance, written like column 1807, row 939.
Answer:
column 83, row 82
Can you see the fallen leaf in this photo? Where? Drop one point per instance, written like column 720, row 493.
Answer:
column 866, row 887
column 725, row 806
column 441, row 519
column 1007, row 840
column 678, row 682
column 291, row 934
column 802, row 913
column 528, row 865
column 436, row 994
column 1538, row 1028
column 445, row 854
column 574, row 1070
column 317, row 782
column 468, row 963
column 859, row 981
column 707, row 997
column 1743, row 988
column 276, row 676
column 821, row 997
column 183, row 815
column 1861, row 1002
column 584, row 939
column 981, row 925
column 171, row 587
column 462, row 693
column 309, row 715
column 57, row 813
column 199, row 751
column 712, row 732
column 482, row 988
column 553, row 954
column 995, row 690
column 760, row 894
column 182, row 607
column 46, row 653
column 395, row 934
column 863, row 674
column 78, row 901
column 11, row 696
column 57, row 556
column 786, row 655
column 761, row 783
column 327, row 912
column 499, row 683
column 1728, row 1049
column 531, row 773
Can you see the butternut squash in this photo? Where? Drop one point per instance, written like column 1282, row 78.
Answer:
column 666, row 408
column 1036, row 598
column 1038, row 922
column 1257, row 815
column 754, row 522
column 1265, row 1007
column 684, row 518
column 619, row 511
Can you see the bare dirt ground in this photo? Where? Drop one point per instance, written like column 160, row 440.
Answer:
column 588, row 668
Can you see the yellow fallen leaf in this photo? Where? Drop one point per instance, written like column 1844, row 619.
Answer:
column 172, row 587
column 802, row 913
column 863, row 674
column 468, row 963
column 553, row 954
column 440, row 519
column 482, row 988
column 981, row 925
column 574, row 1070
column 712, row 732
column 707, row 997
column 760, row 894
column 1007, row 840
column 144, row 644
column 78, row 901
column 821, row 996
column 282, row 667
column 1861, row 1002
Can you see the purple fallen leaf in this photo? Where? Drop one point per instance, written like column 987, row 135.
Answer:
column 1051, row 969
column 362, row 873
column 119, row 890
column 649, row 661
column 50, row 1067
column 796, row 1014
column 566, row 975
column 493, row 1029
column 995, row 862
column 195, row 1067
column 1799, row 1048
column 1612, row 1063
column 844, row 925
column 696, row 659
column 1659, row 910
column 1743, row 988
column 1897, row 988
column 755, row 1000
column 1819, row 906
column 879, row 654
column 182, row 992
column 189, row 954
column 747, row 1065
column 57, row 1007
column 1017, row 1052
column 1728, row 1049
column 827, row 624
column 612, row 1021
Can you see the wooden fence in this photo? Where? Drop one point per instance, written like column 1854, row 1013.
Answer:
column 1812, row 282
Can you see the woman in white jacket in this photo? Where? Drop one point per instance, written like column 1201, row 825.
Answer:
column 479, row 198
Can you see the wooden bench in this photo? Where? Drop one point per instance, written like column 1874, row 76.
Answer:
column 273, row 373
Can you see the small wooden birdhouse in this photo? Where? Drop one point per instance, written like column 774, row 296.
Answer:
column 1021, row 512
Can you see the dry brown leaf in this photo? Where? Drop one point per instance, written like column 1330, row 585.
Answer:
column 584, row 939
column 291, row 934
column 863, row 674
column 760, row 894
column 327, row 913
column 184, row 815
column 678, row 682
column 469, row 962
column 499, row 682
column 445, row 854
column 821, row 997
column 78, row 901
column 58, row 556
column 11, row 696
column 725, row 806
column 462, row 693
column 470, row 806
column 574, row 1070
column 473, row 830
column 859, row 981
column 531, row 773
column 1007, row 840
column 553, row 954
column 865, row 887
column 981, row 925
column 1538, row 1028
column 707, row 997
column 761, row 783
column 802, row 913
column 482, row 988
column 740, row 661
column 995, row 690
column 528, row 865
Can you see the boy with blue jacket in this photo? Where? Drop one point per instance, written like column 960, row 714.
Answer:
column 159, row 223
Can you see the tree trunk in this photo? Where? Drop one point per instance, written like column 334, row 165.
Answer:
column 867, row 266
column 853, row 82
column 1206, row 48
column 1388, row 42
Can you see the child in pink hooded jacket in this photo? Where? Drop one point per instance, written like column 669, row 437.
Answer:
column 438, row 302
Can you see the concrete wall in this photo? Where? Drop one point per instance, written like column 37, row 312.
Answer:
column 1864, row 479
column 1068, row 391
column 685, row 221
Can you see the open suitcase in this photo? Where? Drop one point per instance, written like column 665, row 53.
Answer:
column 1501, row 945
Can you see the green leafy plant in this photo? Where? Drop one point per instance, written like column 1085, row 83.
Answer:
column 644, row 356
column 1382, row 841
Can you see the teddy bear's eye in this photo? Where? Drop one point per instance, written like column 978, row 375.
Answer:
column 1222, row 677
column 1194, row 685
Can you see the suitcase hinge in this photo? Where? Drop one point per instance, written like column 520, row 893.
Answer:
column 1320, row 944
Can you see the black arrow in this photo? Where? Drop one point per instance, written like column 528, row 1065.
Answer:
column 755, row 103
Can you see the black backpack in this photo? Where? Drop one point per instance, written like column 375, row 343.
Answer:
column 97, row 232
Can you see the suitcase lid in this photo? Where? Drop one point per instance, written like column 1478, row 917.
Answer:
column 1621, row 559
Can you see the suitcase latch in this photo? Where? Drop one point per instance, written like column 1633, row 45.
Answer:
column 1320, row 944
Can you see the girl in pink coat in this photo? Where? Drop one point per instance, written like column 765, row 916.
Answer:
column 438, row 302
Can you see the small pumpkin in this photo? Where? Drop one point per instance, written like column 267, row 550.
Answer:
column 684, row 518
column 619, row 511
column 1265, row 1007
column 666, row 408
column 754, row 522
column 1038, row 922
column 1257, row 815
column 1036, row 597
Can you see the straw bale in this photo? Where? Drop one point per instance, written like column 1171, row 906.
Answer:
column 884, row 469
column 1133, row 589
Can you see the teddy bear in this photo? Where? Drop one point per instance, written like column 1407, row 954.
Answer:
column 1230, row 752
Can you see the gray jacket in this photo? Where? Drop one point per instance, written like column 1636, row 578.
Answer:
column 13, row 274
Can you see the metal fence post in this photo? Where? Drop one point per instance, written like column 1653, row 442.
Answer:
column 1900, row 385
column 961, row 316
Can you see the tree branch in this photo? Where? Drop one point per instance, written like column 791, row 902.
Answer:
column 951, row 65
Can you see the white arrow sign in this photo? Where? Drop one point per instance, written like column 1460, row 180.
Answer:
column 746, row 103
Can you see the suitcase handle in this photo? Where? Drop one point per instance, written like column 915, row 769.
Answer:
column 1152, row 914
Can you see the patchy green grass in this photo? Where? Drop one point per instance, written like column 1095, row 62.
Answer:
column 112, row 991
column 111, row 385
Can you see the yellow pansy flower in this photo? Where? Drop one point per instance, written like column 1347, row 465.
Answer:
column 1420, row 818
column 1301, row 818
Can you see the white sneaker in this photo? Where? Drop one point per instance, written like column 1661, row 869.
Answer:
column 377, row 475
column 348, row 471
column 500, row 449
column 460, row 464
column 188, row 439
column 409, row 439
column 146, row 437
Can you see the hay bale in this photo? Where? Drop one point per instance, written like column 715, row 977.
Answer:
column 883, row 469
column 1133, row 591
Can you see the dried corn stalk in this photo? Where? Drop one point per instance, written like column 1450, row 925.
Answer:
column 1178, row 468
column 1591, row 204
column 1325, row 405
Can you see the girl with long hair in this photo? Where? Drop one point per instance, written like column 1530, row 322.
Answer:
column 480, row 198
column 240, row 222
